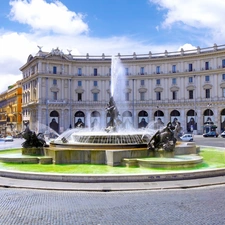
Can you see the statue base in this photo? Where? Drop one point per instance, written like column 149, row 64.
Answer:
column 161, row 153
column 33, row 151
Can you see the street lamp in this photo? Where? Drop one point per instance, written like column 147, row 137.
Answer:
column 157, row 112
column 209, row 105
column 157, row 115
column 133, row 102
column 195, row 90
column 11, row 126
column 209, row 120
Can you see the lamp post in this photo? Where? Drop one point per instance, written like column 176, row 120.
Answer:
column 195, row 103
column 209, row 121
column 157, row 115
column 133, row 101
column 157, row 112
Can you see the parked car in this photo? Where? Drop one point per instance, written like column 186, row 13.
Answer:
column 211, row 134
column 222, row 134
column 186, row 137
column 9, row 138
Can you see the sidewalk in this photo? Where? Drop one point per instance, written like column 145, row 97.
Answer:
column 6, row 182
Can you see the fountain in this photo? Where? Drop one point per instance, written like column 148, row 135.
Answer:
column 115, row 145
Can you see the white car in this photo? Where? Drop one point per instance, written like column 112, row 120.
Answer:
column 9, row 138
column 187, row 137
column 222, row 134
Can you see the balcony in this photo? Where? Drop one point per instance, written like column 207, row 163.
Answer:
column 52, row 101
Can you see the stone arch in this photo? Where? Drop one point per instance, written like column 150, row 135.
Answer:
column 175, row 117
column 222, row 119
column 208, row 120
column 127, row 120
column 79, row 119
column 142, row 119
column 54, row 121
column 95, row 120
column 159, row 119
column 191, row 120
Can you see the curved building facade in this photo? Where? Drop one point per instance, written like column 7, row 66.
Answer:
column 63, row 90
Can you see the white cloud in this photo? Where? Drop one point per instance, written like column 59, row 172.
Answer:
column 186, row 47
column 200, row 14
column 43, row 16
column 53, row 25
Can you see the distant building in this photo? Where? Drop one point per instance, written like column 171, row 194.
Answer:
column 186, row 85
column 11, row 110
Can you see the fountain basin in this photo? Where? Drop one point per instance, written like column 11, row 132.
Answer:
column 108, row 154
column 184, row 161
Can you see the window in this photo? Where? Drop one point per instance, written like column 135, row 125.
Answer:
column 54, row 82
column 157, row 81
column 207, row 93
column 173, row 68
column 95, row 97
column 142, row 82
column 54, row 95
column 158, row 69
column 79, row 82
column 142, row 71
column 79, row 71
column 158, row 95
column 223, row 63
column 190, row 79
column 206, row 65
column 174, row 95
column 191, row 94
column 174, row 81
column 127, row 71
column 142, row 96
column 223, row 76
column 95, row 83
column 79, row 97
column 207, row 79
column 190, row 67
column 127, row 83
column 110, row 71
column 54, row 70
column 223, row 92
column 95, row 72
column 127, row 96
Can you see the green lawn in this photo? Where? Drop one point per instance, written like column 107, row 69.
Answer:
column 213, row 158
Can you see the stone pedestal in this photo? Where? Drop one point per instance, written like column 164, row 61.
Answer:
column 163, row 154
column 33, row 151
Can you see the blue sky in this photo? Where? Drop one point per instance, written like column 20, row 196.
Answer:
column 104, row 26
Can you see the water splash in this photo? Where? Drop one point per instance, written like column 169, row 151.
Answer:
column 118, row 79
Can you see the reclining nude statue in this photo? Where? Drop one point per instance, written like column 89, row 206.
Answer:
column 32, row 140
column 163, row 139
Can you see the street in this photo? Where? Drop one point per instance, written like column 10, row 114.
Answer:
column 209, row 141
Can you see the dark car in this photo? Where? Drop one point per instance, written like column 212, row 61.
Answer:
column 211, row 134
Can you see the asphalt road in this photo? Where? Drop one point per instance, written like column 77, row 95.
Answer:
column 14, row 144
column 210, row 141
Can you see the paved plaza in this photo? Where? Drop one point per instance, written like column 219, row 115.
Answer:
column 40, row 207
